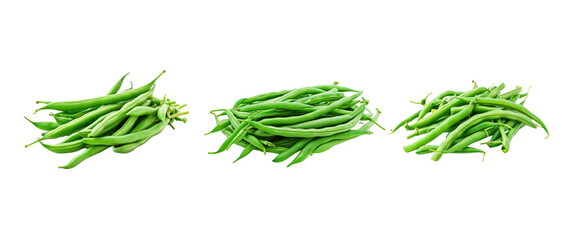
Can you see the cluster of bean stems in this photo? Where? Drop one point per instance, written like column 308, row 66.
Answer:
column 305, row 121
column 469, row 117
column 122, row 120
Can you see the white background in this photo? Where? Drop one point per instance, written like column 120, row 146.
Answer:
column 216, row 52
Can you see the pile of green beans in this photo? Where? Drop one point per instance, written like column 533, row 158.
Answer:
column 305, row 121
column 469, row 117
column 122, row 120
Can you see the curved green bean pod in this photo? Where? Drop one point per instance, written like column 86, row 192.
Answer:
column 121, row 114
column 265, row 96
column 309, row 147
column 117, row 85
column 128, row 138
column 142, row 111
column 62, row 120
column 427, row 120
column 329, row 121
column 312, row 115
column 45, row 126
column 66, row 147
column 292, row 150
column 406, row 121
column 307, row 133
column 162, row 111
column 496, row 114
column 247, row 150
column 511, row 105
column 448, row 123
column 432, row 148
column 435, row 102
column 276, row 105
column 99, row 101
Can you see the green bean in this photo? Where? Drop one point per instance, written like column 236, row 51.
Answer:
column 322, row 97
column 514, row 92
column 329, row 121
column 427, row 120
column 292, row 150
column 62, row 120
column 145, row 123
column 222, row 125
column 327, row 146
column 79, row 123
column 247, row 150
column 117, row 86
column 99, row 101
column 479, row 127
column 295, row 93
column 128, row 138
column 162, row 111
column 122, row 113
column 510, row 135
column 511, row 105
column 142, row 111
column 276, row 105
column 431, row 148
column 427, row 107
column 406, row 121
column 312, row 115
column 496, row 91
column 265, row 96
column 496, row 114
column 249, row 138
column 470, row 139
column 477, row 109
column 448, row 123
column 307, row 133
column 339, row 88
column 229, row 140
column 93, row 150
column 67, row 147
column 45, row 126
column 77, row 135
column 309, row 147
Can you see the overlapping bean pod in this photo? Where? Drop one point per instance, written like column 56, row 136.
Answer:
column 469, row 117
column 305, row 121
column 123, row 120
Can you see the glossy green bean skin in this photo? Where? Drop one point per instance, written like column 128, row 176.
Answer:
column 327, row 146
column 514, row 92
column 124, row 139
column 427, row 120
column 477, row 109
column 428, row 106
column 265, row 96
column 117, row 85
column 448, row 123
column 45, row 126
column 309, row 147
column 312, row 115
column 99, row 101
column 494, row 93
column 62, row 120
column 496, row 114
column 339, row 88
column 406, row 121
column 295, row 93
column 307, row 133
column 277, row 105
column 322, row 97
column 142, row 125
column 222, row 125
column 292, row 150
column 67, row 147
column 247, row 150
column 470, row 139
column 431, row 148
column 76, row 124
column 142, row 111
column 249, row 138
column 481, row 126
column 329, row 121
column 510, row 135
column 510, row 105
column 120, row 115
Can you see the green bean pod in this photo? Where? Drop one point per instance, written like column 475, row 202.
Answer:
column 45, row 126
column 99, row 101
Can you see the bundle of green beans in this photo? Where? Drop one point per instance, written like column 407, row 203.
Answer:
column 305, row 121
column 123, row 120
column 469, row 117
